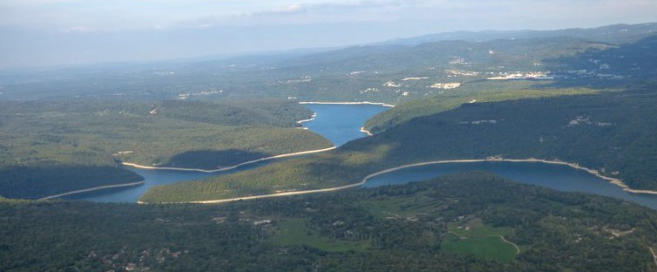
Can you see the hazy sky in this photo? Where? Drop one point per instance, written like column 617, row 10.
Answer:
column 52, row 32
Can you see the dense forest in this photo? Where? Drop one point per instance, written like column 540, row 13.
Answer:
column 51, row 147
column 472, row 92
column 586, row 96
column 465, row 222
column 614, row 132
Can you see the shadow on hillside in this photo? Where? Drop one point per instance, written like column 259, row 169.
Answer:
column 213, row 159
column 34, row 182
column 627, row 64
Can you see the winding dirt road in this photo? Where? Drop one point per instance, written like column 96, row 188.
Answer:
column 511, row 243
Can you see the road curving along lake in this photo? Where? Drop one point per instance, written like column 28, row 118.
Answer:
column 553, row 176
column 339, row 123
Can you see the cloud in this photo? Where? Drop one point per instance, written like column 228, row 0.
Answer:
column 452, row 14
column 79, row 29
column 46, row 32
column 308, row 13
column 125, row 15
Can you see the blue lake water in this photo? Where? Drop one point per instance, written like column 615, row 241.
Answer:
column 337, row 123
column 151, row 178
column 342, row 123
column 558, row 177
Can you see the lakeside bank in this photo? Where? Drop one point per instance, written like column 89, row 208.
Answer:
column 97, row 188
column 286, row 155
column 346, row 103
column 614, row 181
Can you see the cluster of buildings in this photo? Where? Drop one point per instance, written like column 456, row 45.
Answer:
column 521, row 75
column 457, row 73
column 301, row 80
column 446, row 86
column 184, row 96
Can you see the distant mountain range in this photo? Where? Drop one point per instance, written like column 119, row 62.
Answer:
column 619, row 33
column 367, row 72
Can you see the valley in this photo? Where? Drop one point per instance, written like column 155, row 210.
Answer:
column 336, row 122
column 514, row 150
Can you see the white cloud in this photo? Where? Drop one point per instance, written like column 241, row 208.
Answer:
column 78, row 29
column 309, row 13
column 119, row 15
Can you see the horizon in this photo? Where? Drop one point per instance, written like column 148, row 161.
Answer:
column 50, row 33
column 311, row 50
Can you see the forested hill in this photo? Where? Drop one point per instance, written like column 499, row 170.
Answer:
column 627, row 63
column 469, row 222
column 611, row 67
column 616, row 34
column 51, row 147
column 391, row 73
column 613, row 132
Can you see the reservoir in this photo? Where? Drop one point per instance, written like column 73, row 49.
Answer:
column 558, row 177
column 342, row 123
column 336, row 122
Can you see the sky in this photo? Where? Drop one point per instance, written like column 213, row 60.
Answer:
column 65, row 32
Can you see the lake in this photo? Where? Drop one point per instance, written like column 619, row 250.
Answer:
column 342, row 123
column 338, row 123
column 558, row 177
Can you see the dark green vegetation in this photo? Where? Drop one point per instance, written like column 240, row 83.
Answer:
column 606, row 68
column 51, row 147
column 467, row 222
column 632, row 62
column 482, row 241
column 614, row 132
column 482, row 91
column 409, row 227
column 40, row 180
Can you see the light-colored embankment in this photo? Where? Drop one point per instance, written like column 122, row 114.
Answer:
column 364, row 130
column 93, row 189
column 346, row 103
column 596, row 173
column 287, row 155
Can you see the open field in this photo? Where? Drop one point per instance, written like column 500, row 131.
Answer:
column 407, row 227
column 473, row 237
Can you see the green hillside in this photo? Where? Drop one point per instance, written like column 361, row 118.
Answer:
column 393, row 228
column 381, row 72
column 51, row 147
column 612, row 132
column 610, row 68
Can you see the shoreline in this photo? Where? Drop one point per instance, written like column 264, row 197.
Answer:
column 97, row 188
column 286, row 155
column 596, row 173
column 312, row 118
column 346, row 103
column 614, row 181
column 364, row 130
